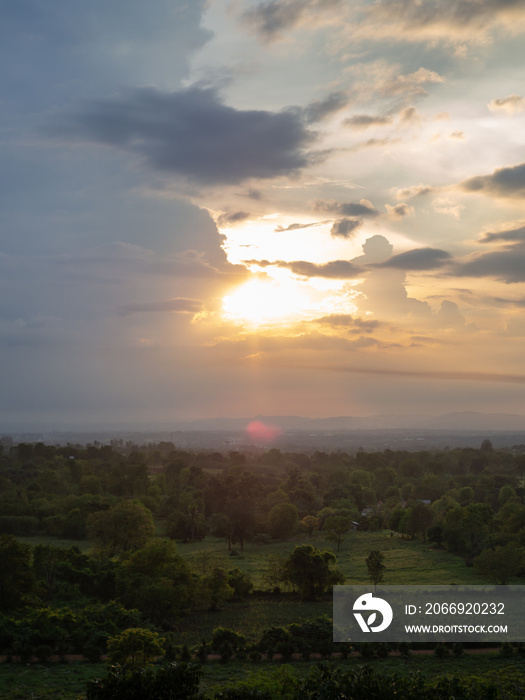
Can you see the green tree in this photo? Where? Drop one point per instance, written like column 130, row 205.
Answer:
column 213, row 590
column 124, row 528
column 500, row 564
column 375, row 566
column 188, row 527
column 221, row 526
column 157, row 581
column 311, row 571
column 309, row 523
column 336, row 527
column 283, row 521
column 16, row 575
column 135, row 648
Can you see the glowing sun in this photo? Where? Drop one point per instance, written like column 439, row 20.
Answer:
column 258, row 302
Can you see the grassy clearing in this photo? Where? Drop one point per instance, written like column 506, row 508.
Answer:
column 250, row 617
column 406, row 561
column 42, row 681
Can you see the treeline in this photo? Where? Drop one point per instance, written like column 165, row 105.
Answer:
column 470, row 501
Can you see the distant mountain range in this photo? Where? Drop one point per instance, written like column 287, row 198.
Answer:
column 465, row 420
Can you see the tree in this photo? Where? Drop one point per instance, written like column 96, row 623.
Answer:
column 135, row 648
column 16, row 576
column 221, row 526
column 157, row 581
column 309, row 523
column 187, row 527
column 214, row 589
column 375, row 566
column 275, row 571
column 337, row 526
column 419, row 519
column 124, row 528
column 310, row 571
column 499, row 565
column 283, row 521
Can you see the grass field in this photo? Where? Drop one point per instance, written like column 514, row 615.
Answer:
column 406, row 561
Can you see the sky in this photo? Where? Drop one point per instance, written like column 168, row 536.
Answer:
column 238, row 208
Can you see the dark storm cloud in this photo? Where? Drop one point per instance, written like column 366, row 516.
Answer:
column 345, row 228
column 335, row 269
column 419, row 259
column 180, row 305
column 347, row 208
column 193, row 134
column 269, row 19
column 364, row 121
column 321, row 109
column 504, row 182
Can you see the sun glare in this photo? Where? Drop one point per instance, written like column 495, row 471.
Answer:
column 259, row 302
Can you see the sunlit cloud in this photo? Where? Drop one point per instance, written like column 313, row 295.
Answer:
column 513, row 104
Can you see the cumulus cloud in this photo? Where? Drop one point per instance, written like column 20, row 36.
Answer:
column 178, row 305
column 269, row 19
column 418, row 259
column 192, row 133
column 504, row 182
column 376, row 249
column 449, row 315
column 511, row 104
column 345, row 228
column 364, row 208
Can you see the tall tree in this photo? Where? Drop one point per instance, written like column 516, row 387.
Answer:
column 375, row 566
column 16, row 576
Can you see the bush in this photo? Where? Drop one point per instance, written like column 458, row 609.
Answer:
column 169, row 682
